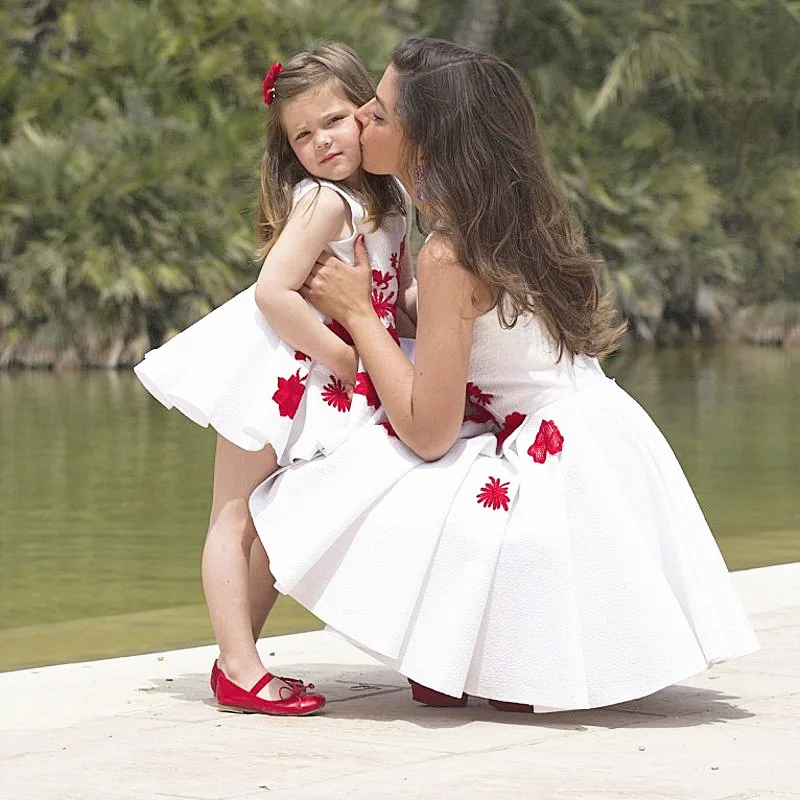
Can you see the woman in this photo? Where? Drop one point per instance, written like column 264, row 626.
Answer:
column 514, row 526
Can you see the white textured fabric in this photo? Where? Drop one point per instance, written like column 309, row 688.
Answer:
column 589, row 579
column 232, row 371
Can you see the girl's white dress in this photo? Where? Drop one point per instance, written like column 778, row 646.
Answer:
column 556, row 555
column 232, row 371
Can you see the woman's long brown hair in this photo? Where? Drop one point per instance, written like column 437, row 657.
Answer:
column 472, row 129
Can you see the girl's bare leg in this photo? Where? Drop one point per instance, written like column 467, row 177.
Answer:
column 227, row 564
column 263, row 593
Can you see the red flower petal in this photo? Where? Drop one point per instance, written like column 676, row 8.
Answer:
column 383, row 304
column 335, row 394
column 494, row 495
column 289, row 394
column 366, row 387
column 510, row 424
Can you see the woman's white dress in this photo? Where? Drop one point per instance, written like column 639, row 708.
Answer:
column 232, row 371
column 556, row 555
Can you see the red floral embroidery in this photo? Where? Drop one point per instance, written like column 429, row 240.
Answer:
column 389, row 429
column 289, row 394
column 548, row 440
column 510, row 424
column 478, row 396
column 393, row 333
column 494, row 495
column 383, row 304
column 381, row 279
column 335, row 394
column 365, row 386
column 299, row 355
column 394, row 259
column 476, row 407
column 340, row 331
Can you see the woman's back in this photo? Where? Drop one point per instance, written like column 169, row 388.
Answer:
column 519, row 366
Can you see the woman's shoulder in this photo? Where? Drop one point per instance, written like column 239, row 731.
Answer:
column 438, row 248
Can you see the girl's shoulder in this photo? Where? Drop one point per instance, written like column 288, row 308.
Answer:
column 316, row 185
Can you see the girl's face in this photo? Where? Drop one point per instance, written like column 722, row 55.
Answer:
column 323, row 133
column 382, row 135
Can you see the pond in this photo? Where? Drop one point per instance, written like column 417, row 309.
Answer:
column 104, row 495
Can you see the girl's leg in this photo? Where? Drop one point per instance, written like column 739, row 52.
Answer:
column 263, row 593
column 227, row 564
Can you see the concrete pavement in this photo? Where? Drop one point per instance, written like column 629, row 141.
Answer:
column 146, row 727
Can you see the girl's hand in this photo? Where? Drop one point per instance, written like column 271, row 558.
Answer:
column 339, row 290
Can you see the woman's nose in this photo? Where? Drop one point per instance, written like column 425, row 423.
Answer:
column 323, row 140
column 362, row 114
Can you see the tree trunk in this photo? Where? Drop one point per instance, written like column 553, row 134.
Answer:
column 478, row 24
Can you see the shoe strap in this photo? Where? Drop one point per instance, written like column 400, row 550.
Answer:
column 262, row 682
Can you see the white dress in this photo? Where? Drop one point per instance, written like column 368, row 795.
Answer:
column 556, row 555
column 232, row 371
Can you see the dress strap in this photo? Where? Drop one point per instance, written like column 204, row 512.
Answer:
column 357, row 212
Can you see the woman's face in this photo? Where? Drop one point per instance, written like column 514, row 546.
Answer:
column 382, row 135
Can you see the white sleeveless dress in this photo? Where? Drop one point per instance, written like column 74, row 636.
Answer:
column 556, row 555
column 232, row 371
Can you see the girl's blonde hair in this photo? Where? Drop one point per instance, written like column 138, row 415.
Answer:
column 337, row 67
column 471, row 137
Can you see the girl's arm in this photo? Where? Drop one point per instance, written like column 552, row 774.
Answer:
column 424, row 400
column 319, row 218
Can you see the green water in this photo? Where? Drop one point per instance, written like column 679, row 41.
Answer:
column 104, row 495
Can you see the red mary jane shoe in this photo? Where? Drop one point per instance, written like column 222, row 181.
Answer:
column 294, row 702
column 430, row 697
column 215, row 671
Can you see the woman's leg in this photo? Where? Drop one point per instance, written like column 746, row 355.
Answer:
column 226, row 569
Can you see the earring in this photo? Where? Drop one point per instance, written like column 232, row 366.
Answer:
column 419, row 181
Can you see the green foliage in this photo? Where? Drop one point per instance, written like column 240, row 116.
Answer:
column 130, row 163
column 130, row 133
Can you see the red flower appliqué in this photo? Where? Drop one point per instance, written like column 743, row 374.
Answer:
column 335, row 394
column 340, row 331
column 289, row 394
column 299, row 355
column 383, row 304
column 494, row 495
column 510, row 424
column 476, row 409
column 381, row 279
column 365, row 386
column 393, row 333
column 548, row 440
column 389, row 429
column 394, row 259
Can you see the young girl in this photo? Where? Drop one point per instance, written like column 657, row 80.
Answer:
column 515, row 527
column 278, row 380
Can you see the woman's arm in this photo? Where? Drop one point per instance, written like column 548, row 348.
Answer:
column 424, row 400
column 319, row 218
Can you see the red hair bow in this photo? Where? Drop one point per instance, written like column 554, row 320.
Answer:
column 268, row 85
column 548, row 440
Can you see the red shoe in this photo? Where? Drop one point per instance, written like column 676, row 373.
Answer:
column 215, row 670
column 294, row 702
column 430, row 697
column 502, row 705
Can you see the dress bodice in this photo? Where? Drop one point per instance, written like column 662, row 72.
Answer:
column 519, row 366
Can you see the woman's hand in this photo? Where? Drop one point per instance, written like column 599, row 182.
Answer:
column 339, row 290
